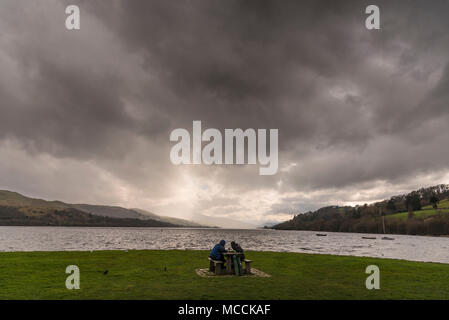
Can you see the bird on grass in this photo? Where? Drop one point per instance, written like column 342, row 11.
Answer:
column 106, row 272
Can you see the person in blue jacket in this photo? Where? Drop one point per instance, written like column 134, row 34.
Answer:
column 217, row 252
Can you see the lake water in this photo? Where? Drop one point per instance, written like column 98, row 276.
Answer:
column 415, row 248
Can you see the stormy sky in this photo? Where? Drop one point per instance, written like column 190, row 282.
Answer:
column 86, row 115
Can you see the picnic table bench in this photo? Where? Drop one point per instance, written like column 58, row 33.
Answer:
column 216, row 266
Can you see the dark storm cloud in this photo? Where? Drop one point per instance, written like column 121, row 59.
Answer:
column 240, row 63
column 352, row 106
column 267, row 64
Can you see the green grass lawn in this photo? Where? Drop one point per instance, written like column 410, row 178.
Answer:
column 141, row 275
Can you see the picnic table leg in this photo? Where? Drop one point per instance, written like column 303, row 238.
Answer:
column 228, row 264
column 239, row 264
column 218, row 269
column 236, row 265
column 248, row 267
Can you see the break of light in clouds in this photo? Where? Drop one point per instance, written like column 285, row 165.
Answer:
column 86, row 115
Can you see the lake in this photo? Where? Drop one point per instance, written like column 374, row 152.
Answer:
column 414, row 248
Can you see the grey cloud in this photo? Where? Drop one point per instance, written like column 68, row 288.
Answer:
column 352, row 106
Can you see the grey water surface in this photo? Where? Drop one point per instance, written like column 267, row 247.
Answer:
column 414, row 248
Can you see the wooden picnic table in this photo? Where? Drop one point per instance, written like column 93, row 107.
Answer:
column 229, row 256
column 216, row 266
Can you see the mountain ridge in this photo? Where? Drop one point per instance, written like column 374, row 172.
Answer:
column 17, row 209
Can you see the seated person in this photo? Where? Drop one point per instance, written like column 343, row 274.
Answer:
column 217, row 252
column 237, row 248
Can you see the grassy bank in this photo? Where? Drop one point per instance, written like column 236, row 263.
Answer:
column 425, row 212
column 141, row 275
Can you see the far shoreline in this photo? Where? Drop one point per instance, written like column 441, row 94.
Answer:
column 226, row 228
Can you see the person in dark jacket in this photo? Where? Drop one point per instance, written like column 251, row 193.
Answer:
column 218, row 250
column 237, row 248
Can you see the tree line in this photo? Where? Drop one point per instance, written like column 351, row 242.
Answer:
column 372, row 218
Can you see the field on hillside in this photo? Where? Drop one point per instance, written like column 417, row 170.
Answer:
column 142, row 275
column 427, row 211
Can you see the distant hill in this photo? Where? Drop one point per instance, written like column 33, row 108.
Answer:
column 119, row 212
column 16, row 209
column 181, row 222
column 224, row 222
column 14, row 199
column 420, row 212
column 109, row 211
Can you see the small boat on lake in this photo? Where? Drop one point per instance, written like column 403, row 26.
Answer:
column 387, row 238
column 370, row 238
column 321, row 234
